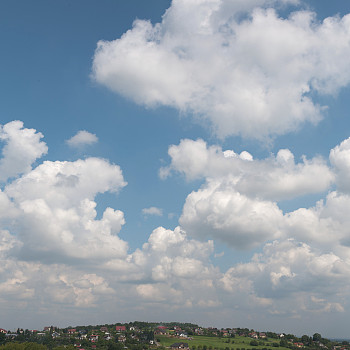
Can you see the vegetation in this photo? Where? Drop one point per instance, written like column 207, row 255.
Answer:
column 151, row 336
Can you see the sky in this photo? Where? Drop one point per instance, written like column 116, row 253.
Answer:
column 183, row 160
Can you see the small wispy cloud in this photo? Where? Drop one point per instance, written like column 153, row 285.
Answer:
column 152, row 211
column 82, row 138
column 219, row 255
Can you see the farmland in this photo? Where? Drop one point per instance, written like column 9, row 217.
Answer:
column 220, row 343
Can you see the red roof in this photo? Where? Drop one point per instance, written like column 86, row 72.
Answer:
column 120, row 328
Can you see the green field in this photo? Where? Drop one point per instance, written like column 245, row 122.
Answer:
column 219, row 343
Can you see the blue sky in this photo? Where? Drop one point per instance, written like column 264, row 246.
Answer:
column 214, row 150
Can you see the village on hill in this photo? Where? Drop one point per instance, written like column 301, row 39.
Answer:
column 145, row 335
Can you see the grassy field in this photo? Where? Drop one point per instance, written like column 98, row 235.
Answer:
column 220, row 343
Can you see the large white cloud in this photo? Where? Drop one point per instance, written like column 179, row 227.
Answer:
column 217, row 210
column 57, row 216
column 56, row 254
column 22, row 147
column 239, row 201
column 275, row 178
column 251, row 77
column 291, row 272
column 170, row 254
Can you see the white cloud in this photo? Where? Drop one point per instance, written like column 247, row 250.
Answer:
column 218, row 210
column 57, row 252
column 340, row 159
column 57, row 216
column 152, row 211
column 170, row 256
column 238, row 202
column 275, row 178
column 22, row 147
column 291, row 271
column 82, row 138
column 252, row 77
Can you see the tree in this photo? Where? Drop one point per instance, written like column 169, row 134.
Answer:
column 317, row 337
column 283, row 343
column 2, row 338
column 305, row 339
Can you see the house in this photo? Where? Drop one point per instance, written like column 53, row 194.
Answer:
column 120, row 328
column 160, row 330
column 122, row 338
column 82, row 334
column 224, row 333
column 182, row 334
column 11, row 336
column 4, row 331
column 93, row 338
column 179, row 346
column 199, row 331
column 71, row 331
column 104, row 329
column 49, row 329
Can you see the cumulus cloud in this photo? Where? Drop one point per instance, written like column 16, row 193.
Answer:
column 152, row 211
column 169, row 260
column 82, row 138
column 22, row 147
column 55, row 249
column 276, row 177
column 218, row 210
column 58, row 250
column 291, row 270
column 239, row 201
column 57, row 216
column 340, row 159
column 253, row 77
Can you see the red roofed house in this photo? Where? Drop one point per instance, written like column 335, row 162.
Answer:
column 120, row 328
column 3, row 330
column 93, row 338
